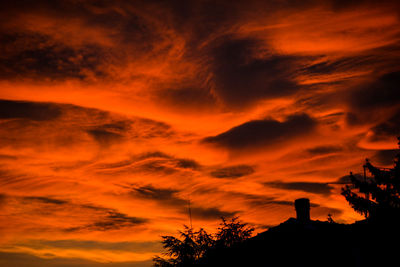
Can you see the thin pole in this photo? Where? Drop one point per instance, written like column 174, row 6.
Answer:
column 365, row 173
column 190, row 214
column 365, row 180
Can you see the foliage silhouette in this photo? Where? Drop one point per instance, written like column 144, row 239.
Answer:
column 194, row 245
column 381, row 200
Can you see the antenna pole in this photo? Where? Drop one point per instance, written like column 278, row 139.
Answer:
column 190, row 214
column 365, row 180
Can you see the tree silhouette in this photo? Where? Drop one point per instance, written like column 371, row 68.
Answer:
column 381, row 192
column 193, row 245
column 233, row 232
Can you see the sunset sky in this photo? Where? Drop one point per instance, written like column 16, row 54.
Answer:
column 114, row 114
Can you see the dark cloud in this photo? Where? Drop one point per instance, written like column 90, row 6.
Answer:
column 189, row 97
column 37, row 56
column 3, row 200
column 232, row 171
column 241, row 78
column 107, row 126
column 169, row 198
column 156, row 166
column 148, row 128
column 7, row 157
column 102, row 35
column 113, row 221
column 97, row 218
column 166, row 196
column 42, row 125
column 381, row 93
column 340, row 65
column 10, row 177
column 210, row 213
column 110, row 133
column 153, row 154
column 375, row 99
column 187, row 164
column 161, row 158
column 110, row 220
column 347, row 180
column 104, row 137
column 150, row 162
column 36, row 111
column 343, row 4
column 46, row 200
column 266, row 201
column 251, row 199
column 387, row 130
column 266, row 132
column 385, row 157
column 322, row 150
column 309, row 187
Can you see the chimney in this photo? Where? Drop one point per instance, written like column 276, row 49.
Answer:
column 302, row 206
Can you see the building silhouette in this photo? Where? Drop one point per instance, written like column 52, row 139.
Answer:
column 303, row 242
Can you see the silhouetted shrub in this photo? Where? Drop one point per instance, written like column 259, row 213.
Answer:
column 193, row 245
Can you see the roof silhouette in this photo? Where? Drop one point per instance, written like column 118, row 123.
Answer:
column 300, row 242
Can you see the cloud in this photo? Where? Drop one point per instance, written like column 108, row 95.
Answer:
column 166, row 196
column 104, row 137
column 37, row 56
column 322, row 150
column 344, row 64
column 46, row 200
column 36, row 111
column 380, row 93
column 388, row 129
column 347, row 180
column 187, row 164
column 110, row 133
column 309, row 187
column 241, row 78
column 235, row 171
column 375, row 100
column 210, row 213
column 149, row 162
column 190, row 97
column 266, row 132
column 267, row 201
column 169, row 198
column 112, row 221
column 385, row 157
column 45, row 125
column 97, row 218
column 253, row 200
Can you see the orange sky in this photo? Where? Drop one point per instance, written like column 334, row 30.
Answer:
column 114, row 113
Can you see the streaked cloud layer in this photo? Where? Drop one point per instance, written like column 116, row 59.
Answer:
column 114, row 114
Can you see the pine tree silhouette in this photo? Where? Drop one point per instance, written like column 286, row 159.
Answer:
column 379, row 196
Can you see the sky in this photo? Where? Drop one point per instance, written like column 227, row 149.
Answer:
column 115, row 114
